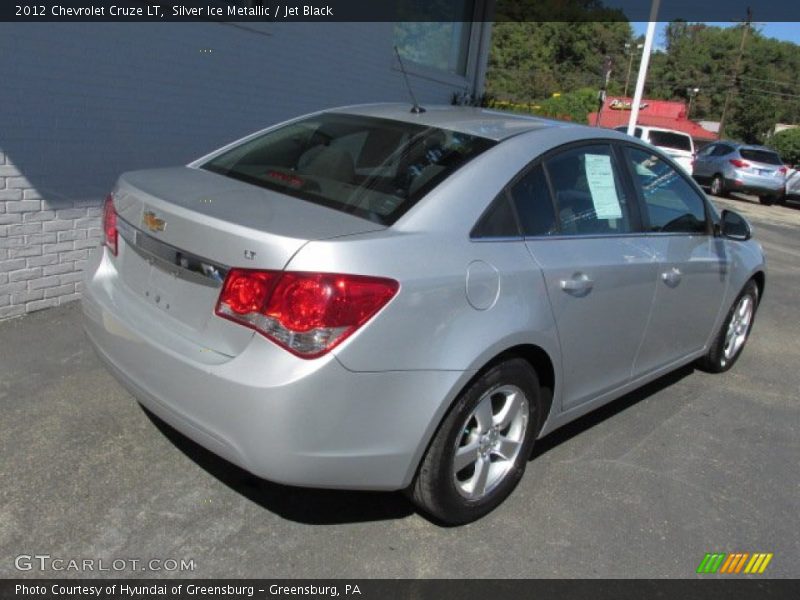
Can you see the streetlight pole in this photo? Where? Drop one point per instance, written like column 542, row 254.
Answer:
column 630, row 49
column 648, row 46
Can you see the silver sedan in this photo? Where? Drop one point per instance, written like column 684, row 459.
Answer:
column 374, row 298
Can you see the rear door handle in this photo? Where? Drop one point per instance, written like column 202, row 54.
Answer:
column 671, row 277
column 580, row 284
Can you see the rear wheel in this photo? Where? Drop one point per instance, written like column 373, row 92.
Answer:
column 767, row 200
column 480, row 451
column 729, row 343
column 718, row 186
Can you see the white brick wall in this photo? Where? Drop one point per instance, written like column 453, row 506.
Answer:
column 82, row 103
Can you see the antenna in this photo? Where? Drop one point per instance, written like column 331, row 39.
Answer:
column 416, row 109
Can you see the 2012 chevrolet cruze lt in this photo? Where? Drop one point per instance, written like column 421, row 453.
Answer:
column 371, row 298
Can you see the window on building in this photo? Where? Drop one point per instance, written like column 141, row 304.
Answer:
column 442, row 44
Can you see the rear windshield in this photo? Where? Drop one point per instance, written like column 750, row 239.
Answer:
column 373, row 168
column 667, row 139
column 762, row 156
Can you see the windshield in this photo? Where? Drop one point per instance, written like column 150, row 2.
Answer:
column 373, row 168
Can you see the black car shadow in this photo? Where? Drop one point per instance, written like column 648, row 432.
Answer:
column 303, row 505
column 597, row 416
column 329, row 507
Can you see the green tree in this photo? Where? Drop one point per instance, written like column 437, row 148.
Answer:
column 530, row 60
column 787, row 143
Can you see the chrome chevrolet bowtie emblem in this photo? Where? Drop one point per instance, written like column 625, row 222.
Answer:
column 152, row 222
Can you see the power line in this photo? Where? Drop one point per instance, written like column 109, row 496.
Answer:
column 770, row 81
column 755, row 92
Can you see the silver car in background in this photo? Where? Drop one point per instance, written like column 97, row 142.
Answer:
column 370, row 298
column 732, row 167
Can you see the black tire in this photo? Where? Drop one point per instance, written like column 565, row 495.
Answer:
column 436, row 490
column 716, row 360
column 767, row 200
column 717, row 187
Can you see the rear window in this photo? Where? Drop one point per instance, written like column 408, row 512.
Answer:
column 668, row 139
column 762, row 156
column 373, row 168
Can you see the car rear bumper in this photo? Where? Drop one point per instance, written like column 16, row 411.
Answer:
column 289, row 420
column 754, row 184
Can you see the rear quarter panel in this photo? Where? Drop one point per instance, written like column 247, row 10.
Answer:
column 431, row 324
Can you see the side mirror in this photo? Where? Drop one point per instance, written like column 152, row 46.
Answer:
column 735, row 226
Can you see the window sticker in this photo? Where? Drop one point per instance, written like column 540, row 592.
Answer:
column 600, row 177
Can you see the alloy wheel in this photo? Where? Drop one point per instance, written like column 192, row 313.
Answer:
column 492, row 437
column 739, row 326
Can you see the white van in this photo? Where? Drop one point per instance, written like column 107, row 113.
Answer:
column 678, row 145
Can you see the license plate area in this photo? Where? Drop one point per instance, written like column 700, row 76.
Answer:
column 171, row 259
column 161, row 287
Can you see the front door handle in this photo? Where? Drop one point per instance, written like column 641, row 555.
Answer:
column 579, row 285
column 672, row 277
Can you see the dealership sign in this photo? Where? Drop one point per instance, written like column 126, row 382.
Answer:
column 617, row 104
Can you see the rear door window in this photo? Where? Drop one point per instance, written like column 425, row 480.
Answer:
column 533, row 204
column 498, row 221
column 589, row 196
column 722, row 150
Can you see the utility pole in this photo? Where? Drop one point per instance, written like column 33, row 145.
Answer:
column 737, row 66
column 691, row 92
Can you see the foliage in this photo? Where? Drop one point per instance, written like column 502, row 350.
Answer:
column 702, row 56
column 571, row 106
column 529, row 61
column 533, row 60
column 787, row 143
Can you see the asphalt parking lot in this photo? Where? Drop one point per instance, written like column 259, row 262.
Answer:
column 694, row 463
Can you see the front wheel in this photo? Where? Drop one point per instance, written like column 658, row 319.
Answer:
column 729, row 343
column 767, row 200
column 480, row 451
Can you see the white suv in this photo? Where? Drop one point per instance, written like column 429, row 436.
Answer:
column 677, row 145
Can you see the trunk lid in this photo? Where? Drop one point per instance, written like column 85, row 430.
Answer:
column 182, row 228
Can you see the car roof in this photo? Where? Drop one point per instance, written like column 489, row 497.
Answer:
column 483, row 122
column 743, row 146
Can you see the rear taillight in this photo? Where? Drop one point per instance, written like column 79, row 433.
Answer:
column 110, row 224
column 739, row 164
column 783, row 170
column 305, row 313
